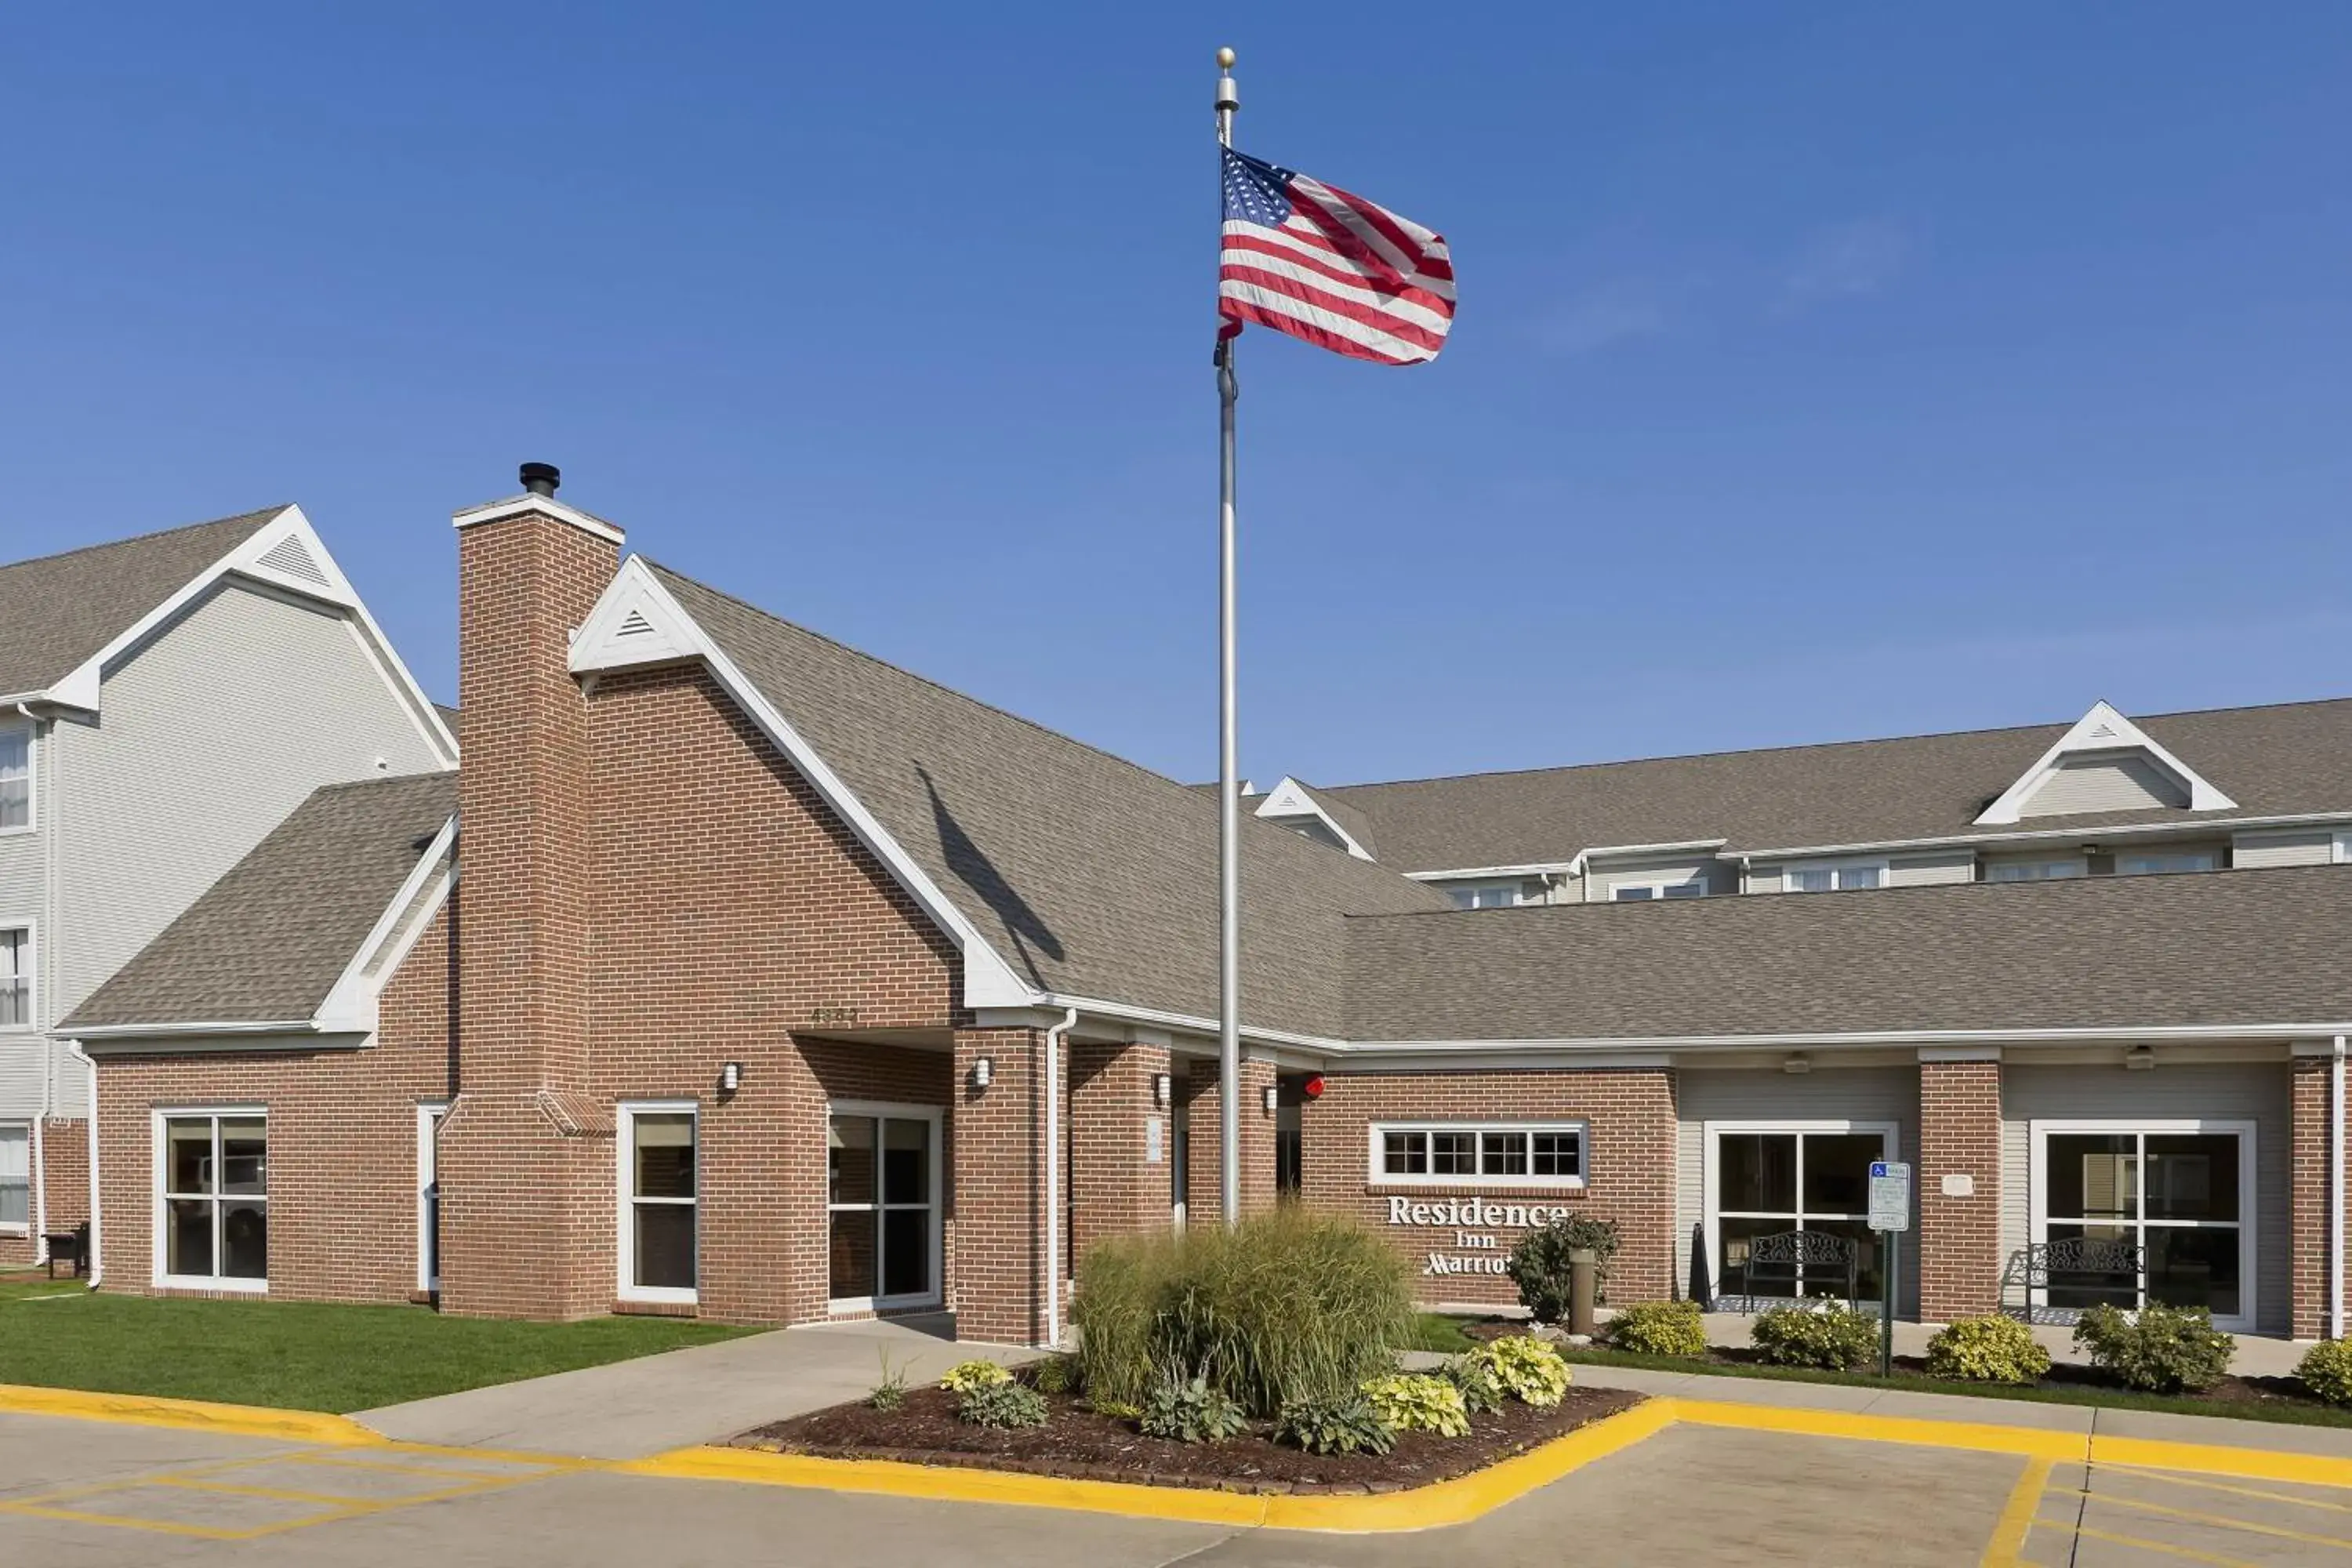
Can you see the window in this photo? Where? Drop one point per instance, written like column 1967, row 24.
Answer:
column 16, row 1177
column 882, row 1198
column 429, row 1193
column 1836, row 877
column 1497, row 1154
column 15, row 777
column 2033, row 870
column 1767, row 1179
column 2175, row 860
column 17, row 979
column 2177, row 1192
column 657, row 1202
column 1637, row 892
column 2343, row 847
column 1485, row 896
column 212, row 1199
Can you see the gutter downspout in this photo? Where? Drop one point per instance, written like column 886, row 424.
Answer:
column 36, row 1177
column 1054, row 1179
column 97, row 1253
column 2335, row 1194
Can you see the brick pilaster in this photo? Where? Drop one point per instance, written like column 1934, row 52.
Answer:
column 1204, row 1175
column 1115, row 1188
column 2308, row 1185
column 1960, row 1236
column 996, row 1271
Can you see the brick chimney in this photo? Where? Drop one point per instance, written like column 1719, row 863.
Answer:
column 525, row 1156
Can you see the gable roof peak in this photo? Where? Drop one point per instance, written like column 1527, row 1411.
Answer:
column 2103, row 728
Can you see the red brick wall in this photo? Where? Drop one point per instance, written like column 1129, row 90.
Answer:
column 2308, row 1185
column 996, row 1274
column 1630, row 1164
column 342, row 1142
column 1204, row 1130
column 1960, row 1237
column 1114, row 1190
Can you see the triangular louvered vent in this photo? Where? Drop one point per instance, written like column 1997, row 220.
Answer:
column 289, row 557
column 2104, row 732
column 635, row 625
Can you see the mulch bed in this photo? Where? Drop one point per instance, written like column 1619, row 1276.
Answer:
column 1079, row 1444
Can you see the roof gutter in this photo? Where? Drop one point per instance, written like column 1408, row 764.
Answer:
column 101, row 1033
column 2097, row 1035
column 97, row 1253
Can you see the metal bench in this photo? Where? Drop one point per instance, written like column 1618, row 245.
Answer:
column 1803, row 1258
column 73, row 1244
column 2090, row 1265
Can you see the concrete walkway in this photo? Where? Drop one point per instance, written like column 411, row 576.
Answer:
column 628, row 1409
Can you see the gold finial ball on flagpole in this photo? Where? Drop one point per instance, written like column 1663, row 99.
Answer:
column 1225, row 60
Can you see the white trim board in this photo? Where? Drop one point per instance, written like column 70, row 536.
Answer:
column 882, row 1109
column 625, row 1199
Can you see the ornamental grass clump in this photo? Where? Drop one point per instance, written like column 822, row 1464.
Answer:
column 1288, row 1305
column 1992, row 1349
column 2326, row 1370
column 2158, row 1349
column 1530, row 1371
column 1416, row 1402
column 1660, row 1328
column 1829, row 1334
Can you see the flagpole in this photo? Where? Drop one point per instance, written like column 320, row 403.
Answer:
column 1229, row 856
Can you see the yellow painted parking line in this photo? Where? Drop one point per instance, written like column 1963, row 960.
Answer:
column 2220, row 1520
column 345, row 1462
column 2112, row 1538
column 2177, row 1479
column 233, row 1489
column 2218, row 1459
column 125, row 1521
column 2017, row 1517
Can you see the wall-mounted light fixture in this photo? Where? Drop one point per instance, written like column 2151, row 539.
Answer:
column 1313, row 1088
column 1162, row 1087
column 1270, row 1101
column 1798, row 1062
column 2140, row 1059
column 731, row 1077
column 983, row 1070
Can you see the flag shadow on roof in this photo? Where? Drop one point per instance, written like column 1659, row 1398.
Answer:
column 978, row 872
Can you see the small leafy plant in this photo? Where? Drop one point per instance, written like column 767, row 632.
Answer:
column 1538, row 1265
column 1187, row 1410
column 1530, row 1371
column 1829, row 1334
column 1054, row 1375
column 1345, row 1424
column 1482, row 1387
column 967, row 1376
column 892, row 1392
column 1660, row 1328
column 2326, row 1370
column 1004, row 1405
column 2158, row 1349
column 1993, row 1349
column 1416, row 1402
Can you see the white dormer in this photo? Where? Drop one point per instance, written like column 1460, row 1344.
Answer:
column 2105, row 762
column 1290, row 803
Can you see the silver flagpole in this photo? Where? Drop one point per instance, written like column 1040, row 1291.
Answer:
column 1229, row 814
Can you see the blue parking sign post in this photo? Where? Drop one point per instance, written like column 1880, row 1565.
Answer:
column 1890, row 1217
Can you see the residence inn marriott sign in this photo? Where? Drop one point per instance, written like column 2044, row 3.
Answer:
column 738, row 994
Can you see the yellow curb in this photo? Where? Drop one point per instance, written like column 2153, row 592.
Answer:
column 187, row 1414
column 1440, row 1504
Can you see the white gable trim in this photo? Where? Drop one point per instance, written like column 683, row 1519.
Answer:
column 610, row 640
column 352, row 1005
column 2103, row 728
column 548, row 505
column 1288, row 800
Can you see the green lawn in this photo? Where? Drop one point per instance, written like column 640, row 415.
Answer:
column 296, row 1355
column 1440, row 1331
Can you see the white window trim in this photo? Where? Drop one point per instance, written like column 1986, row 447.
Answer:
column 1375, row 1151
column 936, row 1295
column 625, row 1250
column 1881, row 864
column 2344, row 846
column 1509, row 886
column 429, row 1174
column 2249, row 1221
column 159, row 1238
column 31, row 1176
column 32, row 929
column 32, row 775
column 1657, row 887
column 1711, row 1172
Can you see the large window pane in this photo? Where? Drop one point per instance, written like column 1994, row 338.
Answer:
column 1870, row 1279
column 245, row 1155
column 1404, row 1153
column 1731, row 1277
column 2193, row 1176
column 15, row 1175
column 188, row 1158
column 2078, row 1289
column 905, row 1161
column 1837, row 1171
column 244, row 1240
column 2094, row 1176
column 906, row 1252
column 853, row 1253
column 1758, row 1172
column 188, row 1237
column 849, row 1161
column 1559, row 1154
column 2194, row 1266
column 1503, row 1155
column 665, row 1246
column 1451, row 1153
column 665, row 1155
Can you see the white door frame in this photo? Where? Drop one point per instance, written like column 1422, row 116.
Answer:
column 1711, row 1171
column 429, row 1113
column 2249, row 1197
column 934, row 1115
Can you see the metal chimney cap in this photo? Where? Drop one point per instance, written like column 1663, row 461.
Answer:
column 540, row 479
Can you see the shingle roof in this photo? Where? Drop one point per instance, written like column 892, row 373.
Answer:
column 2288, row 759
column 57, row 611
column 2216, row 947
column 268, row 940
column 1092, row 876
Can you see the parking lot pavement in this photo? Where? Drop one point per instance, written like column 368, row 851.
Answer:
column 86, row 1494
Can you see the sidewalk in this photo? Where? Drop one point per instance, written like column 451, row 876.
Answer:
column 629, row 1409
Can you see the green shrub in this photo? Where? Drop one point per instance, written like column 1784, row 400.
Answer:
column 1538, row 1263
column 1659, row 1328
column 2326, row 1370
column 1831, row 1335
column 1994, row 1349
column 1006, row 1404
column 1530, row 1371
column 892, row 1392
column 1416, row 1402
column 1345, row 1424
column 1288, row 1305
column 1054, row 1375
column 1481, row 1385
column 1189, row 1411
column 2158, row 1349
column 967, row 1375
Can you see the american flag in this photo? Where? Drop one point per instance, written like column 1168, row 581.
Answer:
column 1328, row 268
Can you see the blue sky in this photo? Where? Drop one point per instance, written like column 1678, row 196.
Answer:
column 1821, row 371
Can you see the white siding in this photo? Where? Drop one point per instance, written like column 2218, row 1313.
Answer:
column 1718, row 876
column 2298, row 847
column 1827, row 1093
column 209, row 736
column 2256, row 1091
column 2110, row 781
column 23, row 865
column 1926, row 871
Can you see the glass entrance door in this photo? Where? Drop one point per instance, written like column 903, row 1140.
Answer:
column 2178, row 1197
column 1767, row 1180
column 882, row 1200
